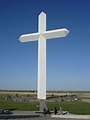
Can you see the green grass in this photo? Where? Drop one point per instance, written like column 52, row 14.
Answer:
column 28, row 106
column 72, row 107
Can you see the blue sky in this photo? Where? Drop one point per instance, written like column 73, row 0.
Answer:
column 68, row 59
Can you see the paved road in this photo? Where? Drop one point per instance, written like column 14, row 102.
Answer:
column 47, row 118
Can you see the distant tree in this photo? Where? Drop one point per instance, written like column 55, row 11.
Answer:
column 17, row 95
column 52, row 95
column 28, row 95
column 66, row 95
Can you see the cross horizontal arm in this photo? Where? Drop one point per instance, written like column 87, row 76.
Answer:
column 55, row 33
column 29, row 37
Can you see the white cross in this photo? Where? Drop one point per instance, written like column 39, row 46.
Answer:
column 41, row 36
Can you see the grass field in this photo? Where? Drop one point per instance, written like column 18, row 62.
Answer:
column 22, row 106
column 72, row 107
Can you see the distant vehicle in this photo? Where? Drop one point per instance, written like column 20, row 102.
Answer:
column 7, row 111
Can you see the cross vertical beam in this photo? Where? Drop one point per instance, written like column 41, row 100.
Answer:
column 41, row 36
column 42, row 58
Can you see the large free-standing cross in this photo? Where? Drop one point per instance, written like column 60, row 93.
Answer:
column 41, row 36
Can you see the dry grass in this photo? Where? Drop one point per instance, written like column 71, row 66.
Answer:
column 80, row 95
column 14, row 93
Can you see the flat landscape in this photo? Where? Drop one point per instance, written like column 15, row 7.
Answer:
column 73, row 102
